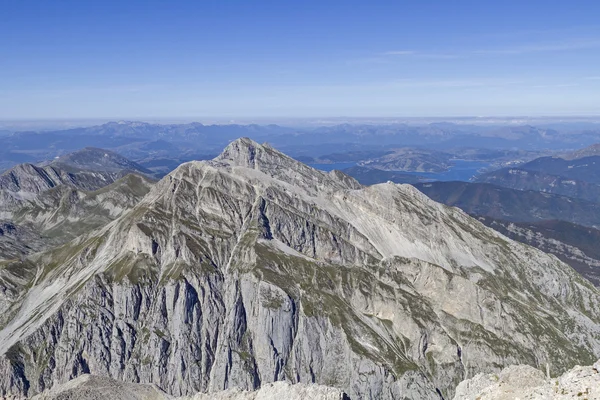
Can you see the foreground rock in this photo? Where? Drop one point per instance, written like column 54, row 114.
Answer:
column 525, row 382
column 277, row 391
column 90, row 387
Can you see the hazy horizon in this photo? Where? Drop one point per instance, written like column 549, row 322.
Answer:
column 68, row 123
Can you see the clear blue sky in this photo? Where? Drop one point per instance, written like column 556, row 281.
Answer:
column 138, row 59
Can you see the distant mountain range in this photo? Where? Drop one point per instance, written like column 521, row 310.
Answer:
column 577, row 178
column 483, row 199
column 147, row 142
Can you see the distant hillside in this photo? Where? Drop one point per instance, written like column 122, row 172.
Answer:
column 593, row 150
column 574, row 244
column 511, row 204
column 521, row 179
column 96, row 159
column 372, row 176
column 578, row 177
column 410, row 159
column 582, row 169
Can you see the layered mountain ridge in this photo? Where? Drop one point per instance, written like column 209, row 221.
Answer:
column 253, row 268
column 576, row 178
column 42, row 206
column 24, row 182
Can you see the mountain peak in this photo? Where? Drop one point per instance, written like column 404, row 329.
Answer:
column 245, row 152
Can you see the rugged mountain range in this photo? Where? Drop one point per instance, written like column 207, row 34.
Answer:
column 253, row 268
column 60, row 214
column 88, row 169
column 44, row 206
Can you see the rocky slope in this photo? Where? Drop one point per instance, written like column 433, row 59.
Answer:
column 526, row 382
column 254, row 268
column 17, row 241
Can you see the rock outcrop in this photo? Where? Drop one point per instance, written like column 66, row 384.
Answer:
column 253, row 268
column 525, row 382
column 90, row 387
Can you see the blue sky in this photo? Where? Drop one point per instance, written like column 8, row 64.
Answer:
column 141, row 59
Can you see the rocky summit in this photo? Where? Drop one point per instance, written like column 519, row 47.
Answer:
column 254, row 268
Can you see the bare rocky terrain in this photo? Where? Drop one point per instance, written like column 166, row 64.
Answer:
column 527, row 383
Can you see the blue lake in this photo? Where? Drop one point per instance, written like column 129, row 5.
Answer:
column 462, row 170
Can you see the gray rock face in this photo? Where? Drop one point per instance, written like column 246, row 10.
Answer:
column 526, row 382
column 253, row 268
column 17, row 241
